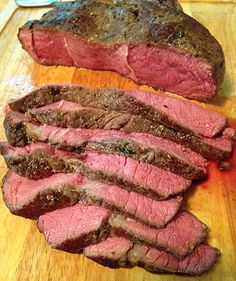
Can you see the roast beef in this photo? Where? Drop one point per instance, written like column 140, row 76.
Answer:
column 39, row 160
column 80, row 226
column 169, row 111
column 147, row 41
column 31, row 198
column 119, row 252
column 179, row 237
column 72, row 115
column 153, row 150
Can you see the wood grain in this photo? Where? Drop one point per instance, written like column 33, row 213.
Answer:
column 24, row 254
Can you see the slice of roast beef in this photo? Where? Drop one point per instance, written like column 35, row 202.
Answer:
column 201, row 260
column 153, row 150
column 111, row 252
column 80, row 226
column 179, row 237
column 136, row 176
column 72, row 115
column 31, row 198
column 144, row 209
column 147, row 41
column 118, row 252
column 176, row 237
column 35, row 161
column 39, row 160
column 169, row 111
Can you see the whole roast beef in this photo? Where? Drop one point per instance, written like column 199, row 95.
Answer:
column 151, row 42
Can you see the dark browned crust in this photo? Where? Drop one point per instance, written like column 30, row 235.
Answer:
column 37, row 166
column 87, row 118
column 91, row 118
column 112, row 23
column 15, row 132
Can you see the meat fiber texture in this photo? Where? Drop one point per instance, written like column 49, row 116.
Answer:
column 32, row 198
column 143, row 147
column 120, row 252
column 87, row 224
column 39, row 160
column 172, row 238
column 150, row 42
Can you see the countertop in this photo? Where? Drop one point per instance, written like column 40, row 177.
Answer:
column 24, row 254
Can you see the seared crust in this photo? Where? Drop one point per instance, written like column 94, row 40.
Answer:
column 15, row 131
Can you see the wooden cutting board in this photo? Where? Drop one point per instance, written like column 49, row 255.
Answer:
column 24, row 255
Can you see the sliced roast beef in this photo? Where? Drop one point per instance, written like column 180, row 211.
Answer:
column 118, row 252
column 111, row 252
column 153, row 150
column 179, row 237
column 39, row 160
column 72, row 115
column 158, row 108
column 176, row 237
column 147, row 41
column 31, row 198
column 80, row 226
